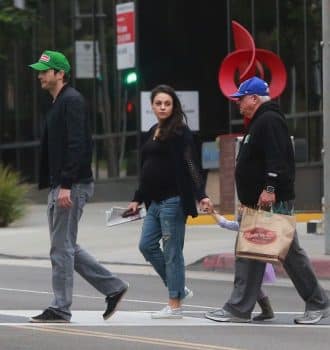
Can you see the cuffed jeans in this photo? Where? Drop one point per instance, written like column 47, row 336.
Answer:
column 249, row 274
column 66, row 255
column 165, row 221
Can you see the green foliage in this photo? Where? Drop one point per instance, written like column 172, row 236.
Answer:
column 14, row 19
column 12, row 196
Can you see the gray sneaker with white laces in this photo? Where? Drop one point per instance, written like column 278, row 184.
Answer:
column 167, row 313
column 312, row 316
column 221, row 315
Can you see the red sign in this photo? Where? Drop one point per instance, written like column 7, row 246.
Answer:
column 125, row 28
column 125, row 14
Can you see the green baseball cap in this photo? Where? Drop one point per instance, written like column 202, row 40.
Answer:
column 52, row 60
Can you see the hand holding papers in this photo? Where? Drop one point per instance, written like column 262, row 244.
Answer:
column 117, row 215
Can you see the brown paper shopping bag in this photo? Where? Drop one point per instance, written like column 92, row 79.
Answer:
column 264, row 235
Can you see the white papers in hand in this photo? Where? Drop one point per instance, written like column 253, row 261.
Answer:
column 114, row 216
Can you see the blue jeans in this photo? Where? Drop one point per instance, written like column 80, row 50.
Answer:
column 166, row 221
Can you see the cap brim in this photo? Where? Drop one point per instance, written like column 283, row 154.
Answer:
column 39, row 66
column 237, row 94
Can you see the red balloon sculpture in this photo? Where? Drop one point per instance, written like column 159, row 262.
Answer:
column 249, row 61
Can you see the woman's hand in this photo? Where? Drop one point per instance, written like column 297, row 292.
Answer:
column 133, row 206
column 206, row 205
column 132, row 209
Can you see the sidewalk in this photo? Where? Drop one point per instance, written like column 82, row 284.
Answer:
column 207, row 246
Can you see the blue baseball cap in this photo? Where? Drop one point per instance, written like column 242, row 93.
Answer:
column 252, row 86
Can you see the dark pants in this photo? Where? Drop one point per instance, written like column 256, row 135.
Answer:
column 248, row 279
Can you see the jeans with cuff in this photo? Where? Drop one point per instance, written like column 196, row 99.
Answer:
column 165, row 221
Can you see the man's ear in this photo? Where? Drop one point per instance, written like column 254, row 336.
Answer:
column 60, row 74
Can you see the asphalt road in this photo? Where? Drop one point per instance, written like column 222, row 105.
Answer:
column 25, row 290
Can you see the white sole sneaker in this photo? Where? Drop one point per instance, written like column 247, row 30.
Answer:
column 167, row 313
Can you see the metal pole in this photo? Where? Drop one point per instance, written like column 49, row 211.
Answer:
column 73, row 42
column 52, row 25
column 230, row 106
column 138, row 85
column 110, row 144
column 326, row 118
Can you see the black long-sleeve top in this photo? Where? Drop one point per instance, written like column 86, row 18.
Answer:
column 170, row 168
column 66, row 146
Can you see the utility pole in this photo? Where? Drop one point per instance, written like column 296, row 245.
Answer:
column 326, row 118
column 110, row 144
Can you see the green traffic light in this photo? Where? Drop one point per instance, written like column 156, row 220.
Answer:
column 131, row 78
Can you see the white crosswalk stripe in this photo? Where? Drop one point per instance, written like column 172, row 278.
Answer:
column 120, row 318
column 142, row 318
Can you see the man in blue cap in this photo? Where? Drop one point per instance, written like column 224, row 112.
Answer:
column 65, row 167
column 264, row 175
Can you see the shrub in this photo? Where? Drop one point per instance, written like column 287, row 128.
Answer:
column 12, row 196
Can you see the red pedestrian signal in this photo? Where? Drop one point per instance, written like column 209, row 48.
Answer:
column 129, row 107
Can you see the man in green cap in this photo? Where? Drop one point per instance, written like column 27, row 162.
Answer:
column 65, row 167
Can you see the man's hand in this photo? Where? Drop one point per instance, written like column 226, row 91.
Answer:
column 206, row 205
column 266, row 199
column 64, row 198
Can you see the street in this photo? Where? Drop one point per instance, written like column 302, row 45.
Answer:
column 25, row 289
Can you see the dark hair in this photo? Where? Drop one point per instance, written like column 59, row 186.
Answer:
column 66, row 76
column 174, row 123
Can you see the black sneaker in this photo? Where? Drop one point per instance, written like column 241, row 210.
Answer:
column 48, row 316
column 112, row 302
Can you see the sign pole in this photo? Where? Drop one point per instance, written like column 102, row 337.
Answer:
column 326, row 118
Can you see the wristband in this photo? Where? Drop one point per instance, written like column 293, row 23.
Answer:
column 270, row 189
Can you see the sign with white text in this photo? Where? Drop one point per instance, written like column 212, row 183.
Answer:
column 190, row 104
column 125, row 16
column 85, row 59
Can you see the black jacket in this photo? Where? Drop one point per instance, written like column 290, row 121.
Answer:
column 187, row 170
column 66, row 145
column 265, row 157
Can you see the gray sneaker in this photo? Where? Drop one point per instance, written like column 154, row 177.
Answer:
column 312, row 316
column 221, row 315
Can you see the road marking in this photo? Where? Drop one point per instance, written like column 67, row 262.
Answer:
column 139, row 301
column 142, row 318
column 127, row 338
column 120, row 318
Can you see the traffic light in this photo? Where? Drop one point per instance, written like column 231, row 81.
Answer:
column 130, row 78
column 129, row 107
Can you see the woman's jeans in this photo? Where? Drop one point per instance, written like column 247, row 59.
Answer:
column 165, row 221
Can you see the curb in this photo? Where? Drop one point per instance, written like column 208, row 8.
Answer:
column 225, row 262
column 206, row 219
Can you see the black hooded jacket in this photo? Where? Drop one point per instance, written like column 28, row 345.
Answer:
column 266, row 157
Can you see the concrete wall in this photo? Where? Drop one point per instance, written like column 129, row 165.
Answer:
column 121, row 190
column 309, row 187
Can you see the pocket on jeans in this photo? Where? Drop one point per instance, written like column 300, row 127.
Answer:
column 171, row 207
column 85, row 192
